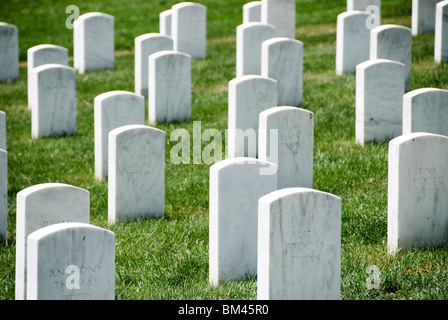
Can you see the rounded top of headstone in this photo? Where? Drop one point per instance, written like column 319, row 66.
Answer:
column 43, row 187
column 280, row 40
column 413, row 136
column 250, row 77
column 286, row 192
column 239, row 161
column 63, row 226
column 52, row 66
column 282, row 109
column 420, row 91
column 117, row 93
column 374, row 62
column 134, row 127
column 46, row 47
column 255, row 24
column 7, row 25
column 152, row 35
column 353, row 13
column 90, row 15
column 385, row 27
column 188, row 4
column 168, row 53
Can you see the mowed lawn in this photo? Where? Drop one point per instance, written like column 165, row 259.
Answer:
column 167, row 258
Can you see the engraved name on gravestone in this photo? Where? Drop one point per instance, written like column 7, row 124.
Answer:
column 423, row 16
column 379, row 100
column 53, row 88
column 441, row 33
column 93, row 42
column 165, row 22
column 235, row 187
column 282, row 60
column 299, row 245
column 249, row 37
column 113, row 109
column 44, row 54
column 252, row 12
column 393, row 42
column 169, row 87
column 3, row 194
column 71, row 261
column 9, row 52
column 352, row 41
column 281, row 14
column 294, row 144
column 145, row 45
column 247, row 97
column 136, row 180
column 40, row 206
column 189, row 29
column 417, row 191
column 426, row 110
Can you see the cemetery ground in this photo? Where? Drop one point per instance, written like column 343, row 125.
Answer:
column 167, row 258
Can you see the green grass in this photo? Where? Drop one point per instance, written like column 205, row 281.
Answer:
column 168, row 258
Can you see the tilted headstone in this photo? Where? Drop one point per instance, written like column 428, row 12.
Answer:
column 281, row 14
column 249, row 37
column 426, row 110
column 291, row 148
column 44, row 54
column 165, row 22
column 247, row 97
column 53, row 88
column 441, row 33
column 113, row 109
column 3, row 194
column 136, row 177
column 169, row 87
column 352, row 41
column 71, row 261
column 3, row 130
column 299, row 245
column 145, row 45
column 94, row 42
column 379, row 100
column 423, row 16
column 252, row 12
column 373, row 7
column 9, row 52
column 235, row 187
column 189, row 29
column 282, row 60
column 42, row 205
column 417, row 191
column 393, row 42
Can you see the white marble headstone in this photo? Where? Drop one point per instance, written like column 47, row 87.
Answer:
column 373, row 7
column 281, row 14
column 423, row 16
column 299, row 245
column 71, row 261
column 136, row 180
column 441, row 33
column 247, row 97
column 113, row 109
column 291, row 148
column 393, row 42
column 145, row 45
column 3, row 130
column 94, row 42
column 249, row 37
column 44, row 54
column 169, row 87
column 426, row 110
column 352, row 41
column 9, row 52
column 282, row 60
column 42, row 205
column 3, row 194
column 252, row 12
column 379, row 100
column 189, row 29
column 417, row 191
column 165, row 22
column 53, row 88
column 235, row 187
